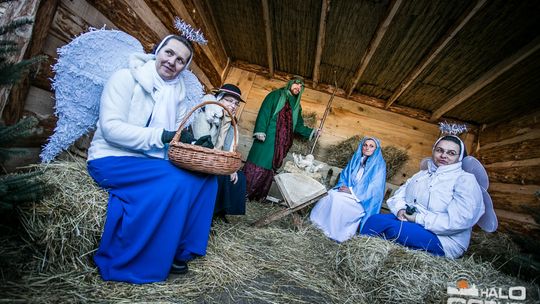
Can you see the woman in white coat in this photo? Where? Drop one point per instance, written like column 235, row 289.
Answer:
column 436, row 208
column 158, row 215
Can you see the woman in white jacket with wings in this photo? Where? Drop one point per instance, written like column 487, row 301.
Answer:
column 436, row 208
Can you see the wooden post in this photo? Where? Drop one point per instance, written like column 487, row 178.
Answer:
column 268, row 31
column 320, row 40
column 13, row 110
column 16, row 10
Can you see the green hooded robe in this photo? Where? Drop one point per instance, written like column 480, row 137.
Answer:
column 262, row 153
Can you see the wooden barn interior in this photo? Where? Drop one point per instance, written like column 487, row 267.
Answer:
column 400, row 68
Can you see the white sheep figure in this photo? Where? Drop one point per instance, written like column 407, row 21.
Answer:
column 207, row 121
column 306, row 163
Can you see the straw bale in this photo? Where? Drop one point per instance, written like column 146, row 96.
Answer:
column 67, row 224
column 395, row 159
column 280, row 263
column 340, row 154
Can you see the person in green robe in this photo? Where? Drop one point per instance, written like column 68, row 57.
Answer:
column 279, row 116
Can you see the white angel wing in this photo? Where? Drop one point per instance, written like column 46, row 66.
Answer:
column 194, row 93
column 488, row 222
column 83, row 67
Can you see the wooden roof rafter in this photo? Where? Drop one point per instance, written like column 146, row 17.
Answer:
column 208, row 62
column 211, row 31
column 268, row 32
column 325, row 8
column 374, row 44
column 487, row 78
column 439, row 47
column 357, row 97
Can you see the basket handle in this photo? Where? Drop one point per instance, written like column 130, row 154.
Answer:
column 184, row 120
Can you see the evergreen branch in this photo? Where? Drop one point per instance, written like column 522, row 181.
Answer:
column 7, row 49
column 7, row 153
column 3, row 189
column 32, row 194
column 23, row 128
column 7, row 42
column 11, row 73
column 5, row 206
column 15, row 24
column 13, row 180
column 22, row 186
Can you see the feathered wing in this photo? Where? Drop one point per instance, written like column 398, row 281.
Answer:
column 194, row 95
column 84, row 65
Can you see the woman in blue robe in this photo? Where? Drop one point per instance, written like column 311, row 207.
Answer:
column 158, row 215
column 357, row 195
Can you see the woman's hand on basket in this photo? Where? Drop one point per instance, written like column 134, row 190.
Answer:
column 167, row 136
column 186, row 137
column 205, row 141
column 234, row 178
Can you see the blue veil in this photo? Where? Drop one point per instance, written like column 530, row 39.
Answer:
column 370, row 189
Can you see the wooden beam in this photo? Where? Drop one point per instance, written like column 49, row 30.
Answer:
column 439, row 47
column 194, row 12
column 504, row 215
column 164, row 12
column 17, row 10
column 320, row 40
column 374, row 44
column 13, row 110
column 509, row 129
column 268, row 31
column 215, row 40
column 360, row 98
column 89, row 14
column 488, row 78
column 137, row 19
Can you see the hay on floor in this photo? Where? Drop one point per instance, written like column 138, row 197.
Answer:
column 280, row 263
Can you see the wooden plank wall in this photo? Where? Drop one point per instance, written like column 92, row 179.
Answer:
column 59, row 21
column 510, row 151
column 346, row 119
column 68, row 19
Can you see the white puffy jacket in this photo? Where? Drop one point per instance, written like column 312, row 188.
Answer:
column 449, row 203
column 125, row 109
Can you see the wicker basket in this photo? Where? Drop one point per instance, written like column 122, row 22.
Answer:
column 201, row 159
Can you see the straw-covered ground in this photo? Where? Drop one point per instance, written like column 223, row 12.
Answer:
column 280, row 263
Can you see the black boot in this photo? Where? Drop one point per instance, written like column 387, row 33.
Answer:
column 179, row 267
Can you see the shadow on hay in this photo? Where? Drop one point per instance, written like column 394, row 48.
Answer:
column 280, row 263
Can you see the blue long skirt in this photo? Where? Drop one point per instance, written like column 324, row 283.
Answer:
column 231, row 198
column 156, row 213
column 408, row 234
